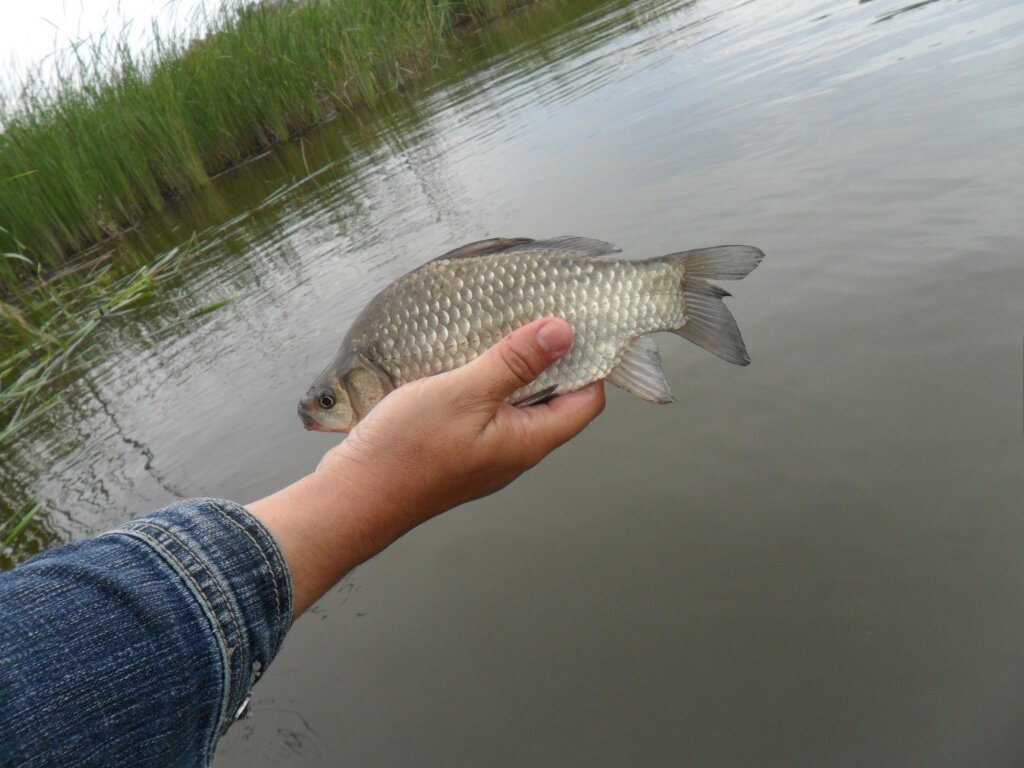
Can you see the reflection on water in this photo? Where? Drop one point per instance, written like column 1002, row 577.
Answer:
column 814, row 560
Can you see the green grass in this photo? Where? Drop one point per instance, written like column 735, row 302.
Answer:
column 119, row 133
column 16, row 535
column 45, row 324
column 10, row 529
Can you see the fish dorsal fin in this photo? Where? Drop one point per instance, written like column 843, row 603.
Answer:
column 639, row 371
column 585, row 246
column 479, row 247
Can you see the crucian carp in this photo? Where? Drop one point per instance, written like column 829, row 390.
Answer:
column 450, row 310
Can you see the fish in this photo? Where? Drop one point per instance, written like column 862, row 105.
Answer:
column 451, row 309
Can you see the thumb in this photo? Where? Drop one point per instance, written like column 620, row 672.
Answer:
column 517, row 359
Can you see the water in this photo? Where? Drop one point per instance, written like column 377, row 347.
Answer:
column 815, row 560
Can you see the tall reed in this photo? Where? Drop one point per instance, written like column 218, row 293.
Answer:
column 119, row 132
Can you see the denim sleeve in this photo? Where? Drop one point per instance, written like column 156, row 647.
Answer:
column 139, row 647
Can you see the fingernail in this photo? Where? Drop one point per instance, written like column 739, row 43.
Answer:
column 555, row 337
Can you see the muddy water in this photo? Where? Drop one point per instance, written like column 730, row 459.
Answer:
column 816, row 560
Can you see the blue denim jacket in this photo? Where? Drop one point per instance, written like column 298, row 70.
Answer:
column 139, row 647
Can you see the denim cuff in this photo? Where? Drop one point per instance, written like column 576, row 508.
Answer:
column 236, row 572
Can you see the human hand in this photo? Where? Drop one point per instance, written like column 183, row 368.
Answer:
column 438, row 442
column 426, row 447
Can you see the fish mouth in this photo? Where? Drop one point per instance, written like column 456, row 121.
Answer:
column 308, row 421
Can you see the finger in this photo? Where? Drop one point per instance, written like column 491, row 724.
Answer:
column 549, row 425
column 515, row 361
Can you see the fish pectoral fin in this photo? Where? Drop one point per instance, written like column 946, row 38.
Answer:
column 640, row 373
column 536, row 399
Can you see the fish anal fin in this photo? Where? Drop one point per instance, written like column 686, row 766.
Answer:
column 639, row 372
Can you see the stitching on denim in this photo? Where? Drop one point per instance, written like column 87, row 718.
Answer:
column 225, row 648
column 233, row 670
column 208, row 610
column 148, row 538
column 283, row 574
column 273, row 573
column 213, row 577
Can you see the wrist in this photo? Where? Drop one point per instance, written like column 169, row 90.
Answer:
column 326, row 524
column 370, row 508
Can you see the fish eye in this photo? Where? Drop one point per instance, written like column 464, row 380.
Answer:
column 327, row 399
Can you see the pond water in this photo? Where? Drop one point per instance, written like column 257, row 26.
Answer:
column 816, row 560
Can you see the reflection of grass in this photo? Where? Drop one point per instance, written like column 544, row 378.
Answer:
column 44, row 337
column 121, row 132
column 46, row 325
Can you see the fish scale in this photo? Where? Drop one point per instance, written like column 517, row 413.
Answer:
column 607, row 301
column 452, row 309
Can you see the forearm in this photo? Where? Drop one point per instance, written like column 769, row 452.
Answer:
column 327, row 523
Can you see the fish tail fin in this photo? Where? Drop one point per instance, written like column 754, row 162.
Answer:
column 708, row 322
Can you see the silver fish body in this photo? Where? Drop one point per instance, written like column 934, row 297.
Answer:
column 453, row 308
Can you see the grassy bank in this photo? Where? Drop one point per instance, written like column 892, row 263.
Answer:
column 120, row 132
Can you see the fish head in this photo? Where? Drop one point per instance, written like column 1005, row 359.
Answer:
column 327, row 407
column 343, row 394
